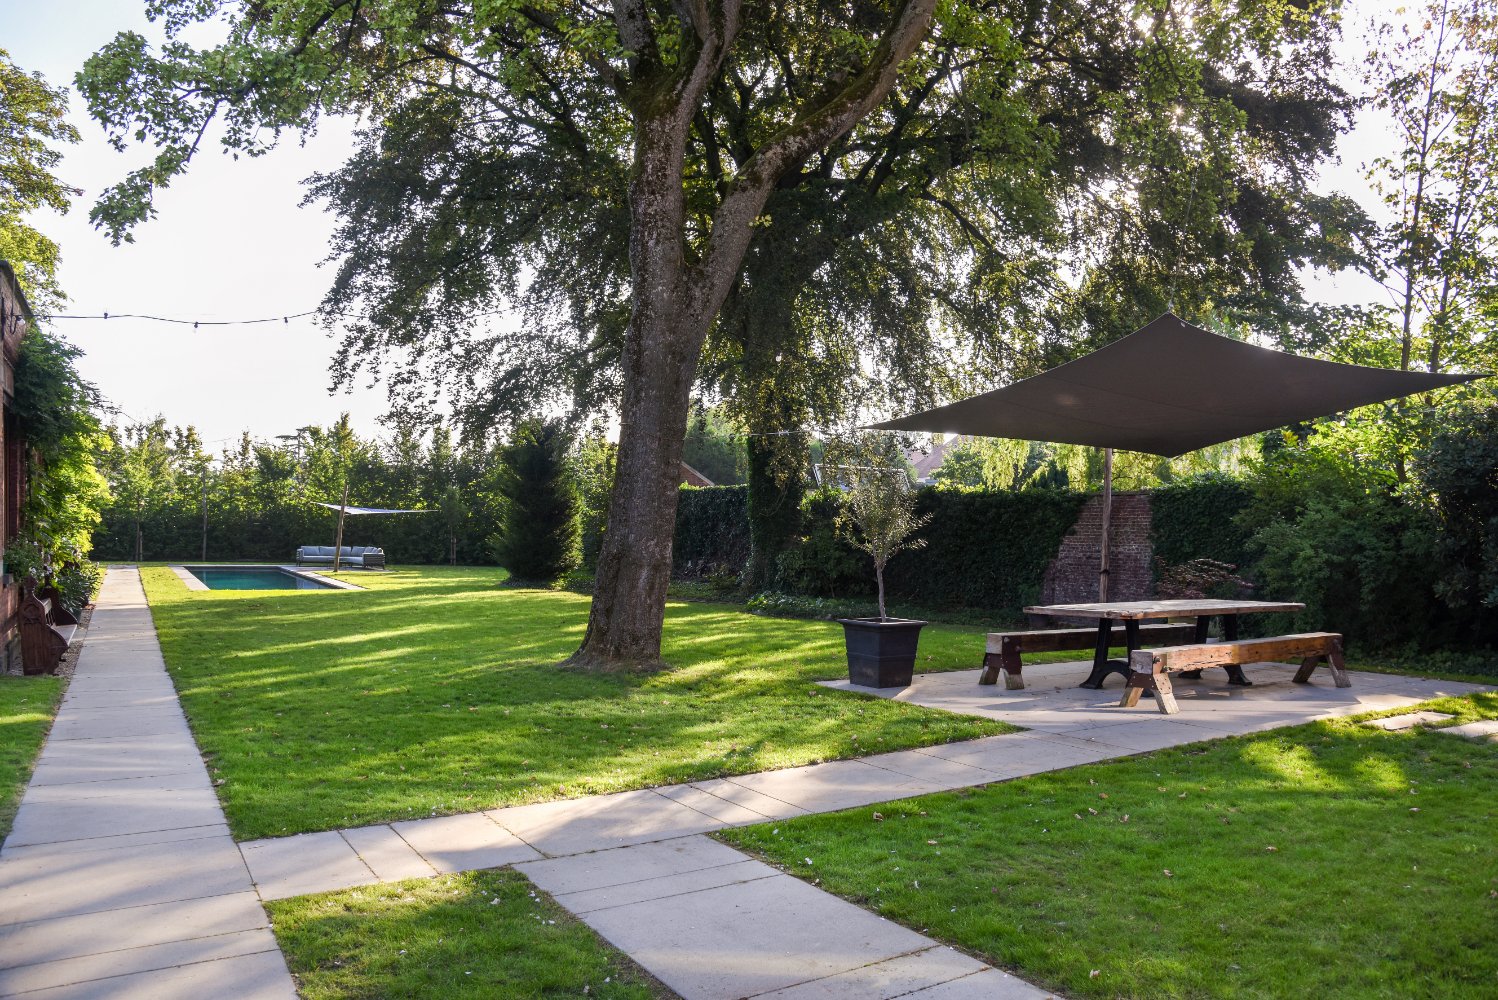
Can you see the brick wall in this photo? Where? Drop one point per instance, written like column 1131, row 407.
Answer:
column 1072, row 577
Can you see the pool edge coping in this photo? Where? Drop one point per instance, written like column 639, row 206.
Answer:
column 194, row 584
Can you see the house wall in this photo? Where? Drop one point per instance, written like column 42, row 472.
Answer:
column 15, row 320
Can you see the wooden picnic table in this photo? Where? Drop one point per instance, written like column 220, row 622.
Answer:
column 1131, row 613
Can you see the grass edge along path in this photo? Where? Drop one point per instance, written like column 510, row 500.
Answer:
column 1329, row 859
column 437, row 691
column 27, row 707
column 475, row 934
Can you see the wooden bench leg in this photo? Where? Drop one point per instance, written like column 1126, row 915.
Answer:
column 1333, row 658
column 1008, row 661
column 1157, row 684
column 1165, row 695
column 990, row 673
column 1339, row 669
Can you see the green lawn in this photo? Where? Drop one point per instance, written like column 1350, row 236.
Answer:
column 437, row 691
column 1327, row 860
column 479, row 934
column 27, row 705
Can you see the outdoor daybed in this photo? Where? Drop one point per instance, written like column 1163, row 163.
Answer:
column 362, row 556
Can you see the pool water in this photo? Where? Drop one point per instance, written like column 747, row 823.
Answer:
column 254, row 578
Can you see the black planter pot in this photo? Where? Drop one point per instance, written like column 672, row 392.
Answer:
column 881, row 651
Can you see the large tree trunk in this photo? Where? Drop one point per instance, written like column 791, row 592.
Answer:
column 661, row 350
column 675, row 302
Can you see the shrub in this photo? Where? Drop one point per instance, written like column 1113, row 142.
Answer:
column 1363, row 565
column 774, row 604
column 1460, row 470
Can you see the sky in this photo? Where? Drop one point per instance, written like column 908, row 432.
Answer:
column 231, row 241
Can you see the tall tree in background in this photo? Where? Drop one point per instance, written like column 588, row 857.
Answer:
column 579, row 84
column 538, row 538
column 1044, row 179
column 33, row 120
column 1438, row 81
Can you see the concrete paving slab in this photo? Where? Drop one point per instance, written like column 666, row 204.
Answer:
column 1397, row 723
column 1145, row 736
column 666, row 887
column 1483, row 729
column 117, row 841
column 1019, row 754
column 111, row 723
column 624, row 865
column 158, row 694
column 841, row 784
column 79, row 819
column 386, row 854
column 990, row 985
column 261, row 976
column 751, row 937
column 44, row 941
column 928, row 767
column 766, row 805
column 722, row 810
column 282, row 867
column 601, row 822
column 122, row 788
column 896, row 977
column 66, row 884
column 147, row 958
column 464, row 843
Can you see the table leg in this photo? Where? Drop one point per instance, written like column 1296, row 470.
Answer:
column 1101, row 665
column 1230, row 634
column 1202, row 624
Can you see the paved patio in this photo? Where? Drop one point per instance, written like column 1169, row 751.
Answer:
column 120, row 878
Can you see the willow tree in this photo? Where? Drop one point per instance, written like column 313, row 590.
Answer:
column 554, row 76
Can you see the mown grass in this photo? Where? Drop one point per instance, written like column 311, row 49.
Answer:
column 1326, row 860
column 27, row 706
column 438, row 691
column 478, row 934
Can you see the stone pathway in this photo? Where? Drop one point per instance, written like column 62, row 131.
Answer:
column 705, row 919
column 120, row 878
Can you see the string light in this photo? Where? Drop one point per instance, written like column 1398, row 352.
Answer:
column 194, row 323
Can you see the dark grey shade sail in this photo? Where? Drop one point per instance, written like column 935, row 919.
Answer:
column 1169, row 388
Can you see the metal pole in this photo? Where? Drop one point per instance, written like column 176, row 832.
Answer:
column 204, row 556
column 1102, row 576
column 338, row 538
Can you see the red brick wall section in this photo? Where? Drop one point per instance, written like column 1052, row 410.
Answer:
column 1072, row 577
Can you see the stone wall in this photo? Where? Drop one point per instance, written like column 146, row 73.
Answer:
column 1072, row 577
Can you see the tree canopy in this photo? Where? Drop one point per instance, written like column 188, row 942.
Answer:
column 32, row 123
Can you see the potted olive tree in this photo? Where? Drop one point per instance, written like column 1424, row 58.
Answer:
column 881, row 504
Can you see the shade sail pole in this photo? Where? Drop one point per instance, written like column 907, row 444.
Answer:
column 338, row 538
column 1102, row 575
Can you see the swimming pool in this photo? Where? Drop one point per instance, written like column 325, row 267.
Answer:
column 255, row 578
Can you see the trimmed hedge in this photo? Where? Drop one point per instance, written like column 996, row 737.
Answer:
column 712, row 530
column 1197, row 518
column 984, row 549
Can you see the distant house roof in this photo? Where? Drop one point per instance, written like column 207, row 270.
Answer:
column 927, row 461
column 691, row 477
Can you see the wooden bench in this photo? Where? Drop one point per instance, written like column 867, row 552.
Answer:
column 1004, row 648
column 1151, row 668
column 47, row 627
